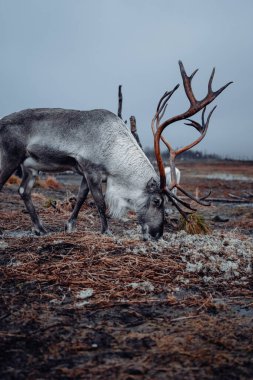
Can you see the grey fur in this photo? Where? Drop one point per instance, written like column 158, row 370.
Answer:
column 92, row 143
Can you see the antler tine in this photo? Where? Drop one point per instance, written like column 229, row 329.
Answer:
column 210, row 90
column 201, row 201
column 182, row 212
column 206, row 124
column 187, row 83
column 203, row 115
column 206, row 196
column 218, row 92
column 161, row 107
column 164, row 100
column 194, row 124
column 163, row 112
column 185, row 214
column 211, row 80
column 169, row 95
column 185, row 204
column 160, row 101
column 201, row 128
column 160, row 110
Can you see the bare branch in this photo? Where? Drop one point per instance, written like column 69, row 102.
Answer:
column 120, row 100
column 134, row 130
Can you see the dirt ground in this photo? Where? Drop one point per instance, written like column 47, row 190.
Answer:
column 87, row 306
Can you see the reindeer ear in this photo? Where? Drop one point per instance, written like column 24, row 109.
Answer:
column 152, row 186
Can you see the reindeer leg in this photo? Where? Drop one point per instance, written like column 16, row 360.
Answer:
column 95, row 186
column 82, row 195
column 93, row 176
column 6, row 170
column 25, row 193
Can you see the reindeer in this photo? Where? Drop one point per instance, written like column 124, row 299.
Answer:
column 93, row 143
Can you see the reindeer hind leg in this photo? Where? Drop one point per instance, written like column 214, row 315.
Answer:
column 25, row 193
column 6, row 170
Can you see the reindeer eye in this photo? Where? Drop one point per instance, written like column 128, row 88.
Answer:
column 157, row 201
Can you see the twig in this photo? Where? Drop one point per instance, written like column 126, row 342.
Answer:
column 183, row 318
column 5, row 316
column 225, row 200
column 134, row 130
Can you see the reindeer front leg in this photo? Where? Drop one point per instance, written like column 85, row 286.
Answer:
column 94, row 181
column 82, row 195
column 93, row 176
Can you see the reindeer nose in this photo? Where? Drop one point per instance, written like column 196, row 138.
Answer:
column 157, row 236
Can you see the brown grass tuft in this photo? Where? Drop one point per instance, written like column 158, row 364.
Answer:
column 49, row 183
column 195, row 224
column 14, row 180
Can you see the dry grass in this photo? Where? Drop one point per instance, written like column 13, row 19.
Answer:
column 154, row 310
column 49, row 183
column 14, row 180
column 195, row 224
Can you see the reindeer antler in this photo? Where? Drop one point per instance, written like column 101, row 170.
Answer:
column 195, row 107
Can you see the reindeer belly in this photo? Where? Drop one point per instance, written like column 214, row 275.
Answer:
column 49, row 160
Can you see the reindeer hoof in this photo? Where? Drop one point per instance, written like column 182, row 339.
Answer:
column 70, row 227
column 107, row 232
column 146, row 237
column 39, row 231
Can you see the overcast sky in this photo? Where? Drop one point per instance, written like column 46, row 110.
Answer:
column 75, row 53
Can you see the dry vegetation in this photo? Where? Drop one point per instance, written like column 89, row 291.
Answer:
column 86, row 306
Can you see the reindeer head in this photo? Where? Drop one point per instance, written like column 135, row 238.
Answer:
column 151, row 213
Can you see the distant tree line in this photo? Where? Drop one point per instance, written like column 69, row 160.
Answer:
column 190, row 155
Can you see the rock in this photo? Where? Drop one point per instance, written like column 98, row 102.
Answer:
column 220, row 219
column 3, row 244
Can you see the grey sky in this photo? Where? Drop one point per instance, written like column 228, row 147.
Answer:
column 75, row 53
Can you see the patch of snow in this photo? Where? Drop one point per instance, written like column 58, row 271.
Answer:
column 145, row 285
column 83, row 294
column 194, row 267
column 82, row 303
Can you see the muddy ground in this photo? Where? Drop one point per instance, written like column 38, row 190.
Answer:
column 86, row 306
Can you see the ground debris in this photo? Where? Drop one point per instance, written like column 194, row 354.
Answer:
column 86, row 306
